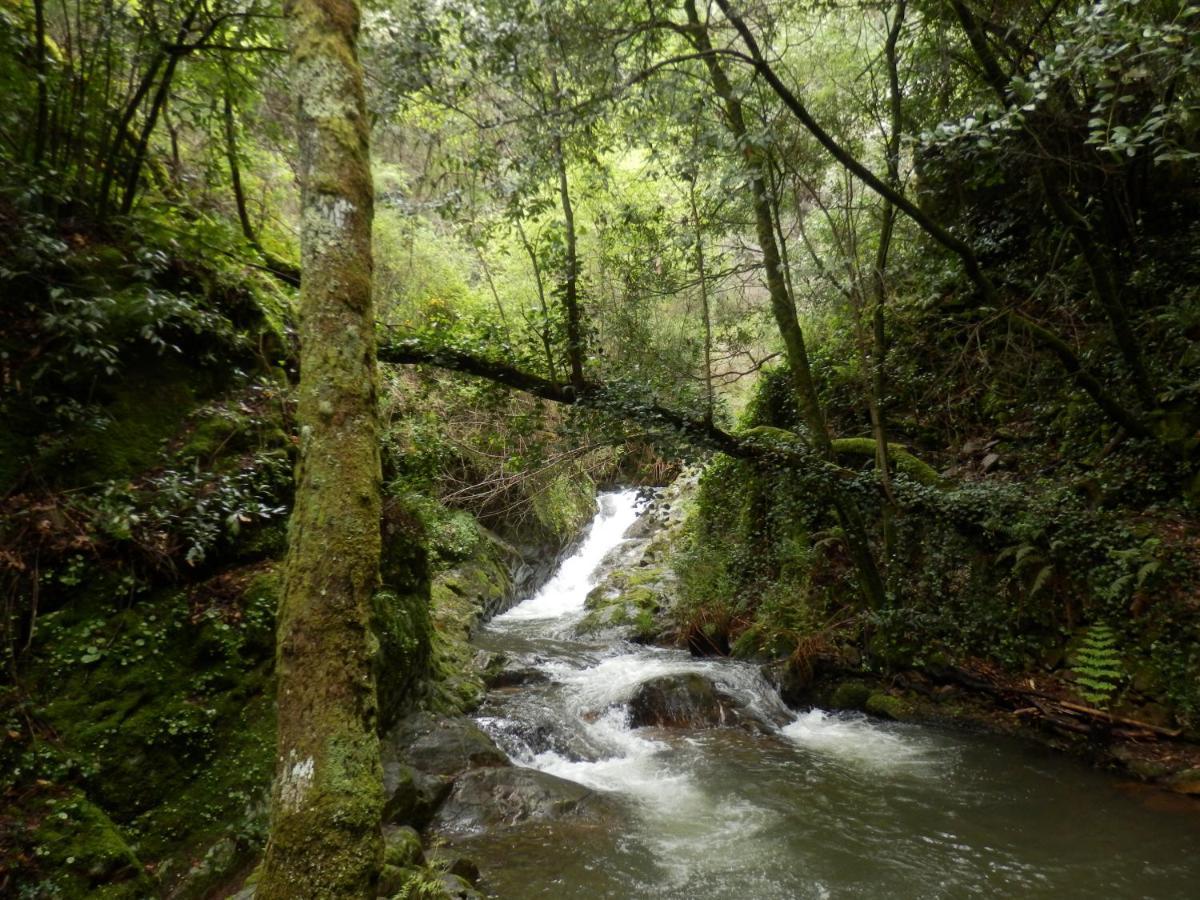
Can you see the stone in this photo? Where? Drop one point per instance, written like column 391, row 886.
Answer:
column 394, row 880
column 683, row 701
column 445, row 859
column 850, row 695
column 412, row 795
column 456, row 888
column 887, row 706
column 440, row 745
column 484, row 799
column 1185, row 782
column 790, row 680
column 511, row 678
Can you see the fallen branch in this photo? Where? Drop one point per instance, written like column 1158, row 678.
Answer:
column 1118, row 720
column 599, row 396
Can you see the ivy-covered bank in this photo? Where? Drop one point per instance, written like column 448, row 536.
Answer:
column 1018, row 603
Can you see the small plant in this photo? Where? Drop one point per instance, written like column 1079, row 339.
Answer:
column 1097, row 668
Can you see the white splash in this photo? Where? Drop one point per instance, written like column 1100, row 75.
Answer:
column 568, row 589
column 854, row 739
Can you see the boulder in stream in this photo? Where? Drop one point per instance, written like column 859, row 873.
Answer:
column 688, row 700
column 440, row 745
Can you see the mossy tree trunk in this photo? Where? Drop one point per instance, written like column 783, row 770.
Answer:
column 783, row 308
column 575, row 345
column 325, row 824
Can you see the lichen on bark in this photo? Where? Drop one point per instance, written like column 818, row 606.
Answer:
column 325, row 824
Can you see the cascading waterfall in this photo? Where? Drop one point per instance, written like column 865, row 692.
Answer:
column 808, row 804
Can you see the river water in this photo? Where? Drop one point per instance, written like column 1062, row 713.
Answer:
column 822, row 805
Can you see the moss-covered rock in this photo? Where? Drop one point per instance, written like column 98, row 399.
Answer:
column 850, row 695
column 80, row 852
column 462, row 597
column 402, row 847
column 888, row 706
column 635, row 598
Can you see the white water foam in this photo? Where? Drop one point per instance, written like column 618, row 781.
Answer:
column 854, row 739
column 567, row 590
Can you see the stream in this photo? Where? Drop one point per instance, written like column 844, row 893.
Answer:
column 819, row 804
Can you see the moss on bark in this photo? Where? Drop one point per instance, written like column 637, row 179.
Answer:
column 328, row 795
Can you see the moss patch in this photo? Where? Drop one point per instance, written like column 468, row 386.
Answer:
column 81, row 853
column 165, row 711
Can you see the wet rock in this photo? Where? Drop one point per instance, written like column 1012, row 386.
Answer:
column 510, row 678
column 394, row 881
column 790, row 680
column 534, row 737
column 1186, row 782
column 888, row 706
column 850, row 695
column 412, row 795
column 440, row 745
column 1147, row 768
column 484, row 799
column 456, row 888
column 684, row 701
column 445, row 859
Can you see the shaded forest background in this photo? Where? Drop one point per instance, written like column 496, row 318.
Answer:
column 915, row 284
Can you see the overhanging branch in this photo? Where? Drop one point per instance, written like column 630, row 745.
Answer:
column 595, row 395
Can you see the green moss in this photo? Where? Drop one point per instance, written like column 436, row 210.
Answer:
column 632, row 607
column 460, row 598
column 84, row 854
column 166, row 708
column 144, row 412
column 850, row 695
column 402, row 847
column 564, row 507
column 888, row 706
column 898, row 455
column 404, row 631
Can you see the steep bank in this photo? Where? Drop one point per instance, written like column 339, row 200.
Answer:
column 145, row 492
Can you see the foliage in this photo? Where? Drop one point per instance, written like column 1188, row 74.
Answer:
column 1098, row 670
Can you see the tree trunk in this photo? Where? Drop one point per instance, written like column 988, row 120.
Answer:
column 1079, row 374
column 878, row 357
column 706, row 315
column 784, row 310
column 327, row 799
column 575, row 350
column 157, row 104
column 235, row 169
column 41, row 124
column 544, row 331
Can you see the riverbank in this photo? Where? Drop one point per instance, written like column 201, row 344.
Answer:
column 650, row 771
column 639, row 597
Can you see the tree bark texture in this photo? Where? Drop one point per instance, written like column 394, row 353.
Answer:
column 326, row 804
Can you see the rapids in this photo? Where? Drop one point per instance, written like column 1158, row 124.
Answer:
column 817, row 804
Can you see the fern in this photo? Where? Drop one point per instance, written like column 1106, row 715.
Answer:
column 1097, row 669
